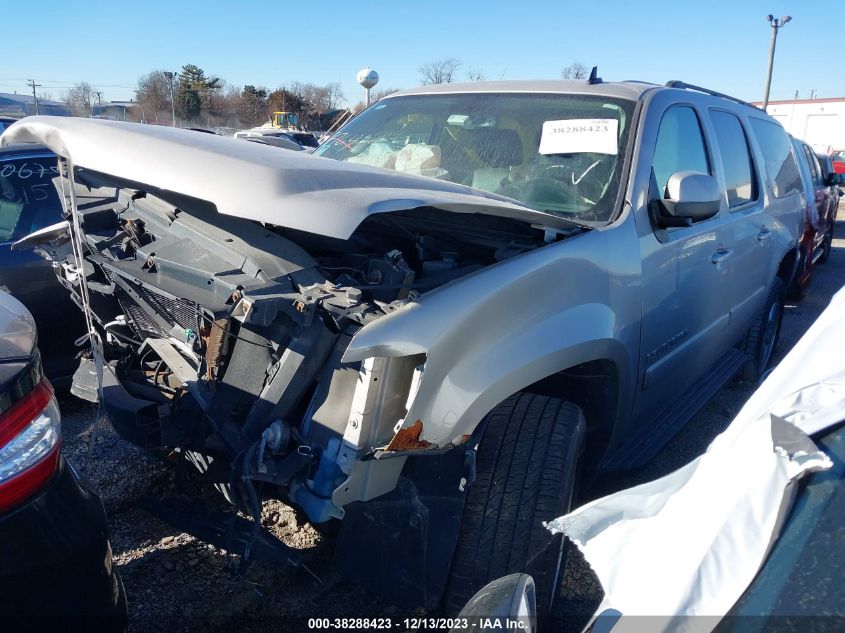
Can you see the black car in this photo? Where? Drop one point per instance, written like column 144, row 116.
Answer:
column 29, row 201
column 55, row 557
column 6, row 121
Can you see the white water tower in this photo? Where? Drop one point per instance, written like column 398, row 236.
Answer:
column 368, row 78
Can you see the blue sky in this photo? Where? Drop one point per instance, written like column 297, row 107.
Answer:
column 720, row 44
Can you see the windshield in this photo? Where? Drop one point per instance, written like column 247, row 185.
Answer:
column 557, row 153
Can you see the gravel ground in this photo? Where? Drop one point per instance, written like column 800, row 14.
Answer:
column 178, row 583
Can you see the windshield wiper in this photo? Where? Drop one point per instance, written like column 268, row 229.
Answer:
column 583, row 225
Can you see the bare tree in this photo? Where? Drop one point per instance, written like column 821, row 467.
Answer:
column 381, row 93
column 153, row 94
column 440, row 71
column 79, row 98
column 575, row 70
column 45, row 95
column 476, row 75
column 335, row 94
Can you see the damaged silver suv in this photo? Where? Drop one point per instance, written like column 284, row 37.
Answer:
column 469, row 297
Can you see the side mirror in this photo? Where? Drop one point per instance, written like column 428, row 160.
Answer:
column 60, row 230
column 507, row 603
column 691, row 197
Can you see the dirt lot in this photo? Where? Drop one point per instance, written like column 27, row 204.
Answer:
column 175, row 582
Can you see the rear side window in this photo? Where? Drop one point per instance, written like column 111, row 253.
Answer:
column 815, row 168
column 736, row 158
column 679, row 147
column 780, row 162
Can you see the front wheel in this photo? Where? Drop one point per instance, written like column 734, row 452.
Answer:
column 525, row 473
column 764, row 334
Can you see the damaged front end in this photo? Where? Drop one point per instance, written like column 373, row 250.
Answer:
column 223, row 342
column 284, row 326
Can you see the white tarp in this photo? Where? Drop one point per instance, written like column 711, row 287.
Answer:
column 690, row 543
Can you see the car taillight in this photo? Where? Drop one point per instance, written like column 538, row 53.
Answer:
column 30, row 439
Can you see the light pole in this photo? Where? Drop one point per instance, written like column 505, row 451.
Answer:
column 170, row 76
column 776, row 26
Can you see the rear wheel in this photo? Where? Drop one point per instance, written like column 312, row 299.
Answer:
column 525, row 473
column 763, row 336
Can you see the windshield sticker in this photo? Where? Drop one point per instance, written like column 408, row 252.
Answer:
column 575, row 136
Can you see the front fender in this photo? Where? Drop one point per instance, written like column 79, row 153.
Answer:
column 490, row 334
column 454, row 396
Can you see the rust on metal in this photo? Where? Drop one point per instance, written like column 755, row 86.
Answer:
column 215, row 339
column 408, row 438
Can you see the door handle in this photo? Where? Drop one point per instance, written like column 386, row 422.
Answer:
column 723, row 254
column 764, row 234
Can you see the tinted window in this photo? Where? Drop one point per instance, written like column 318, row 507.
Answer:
column 826, row 164
column 306, row 140
column 736, row 158
column 680, row 146
column 28, row 198
column 780, row 162
column 815, row 168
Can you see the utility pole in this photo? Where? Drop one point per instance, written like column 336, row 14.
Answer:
column 31, row 83
column 776, row 26
column 170, row 76
column 99, row 101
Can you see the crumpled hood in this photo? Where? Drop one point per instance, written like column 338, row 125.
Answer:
column 253, row 181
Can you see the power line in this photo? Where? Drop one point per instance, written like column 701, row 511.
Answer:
column 56, row 81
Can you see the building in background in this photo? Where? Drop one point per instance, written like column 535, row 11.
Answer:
column 118, row 111
column 818, row 122
column 18, row 105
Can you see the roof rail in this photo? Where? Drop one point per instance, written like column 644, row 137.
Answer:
column 685, row 86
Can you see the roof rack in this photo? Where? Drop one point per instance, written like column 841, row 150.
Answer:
column 685, row 86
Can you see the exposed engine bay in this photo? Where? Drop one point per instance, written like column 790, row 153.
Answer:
column 223, row 338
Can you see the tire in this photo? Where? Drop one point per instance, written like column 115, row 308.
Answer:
column 764, row 334
column 827, row 244
column 525, row 474
column 796, row 291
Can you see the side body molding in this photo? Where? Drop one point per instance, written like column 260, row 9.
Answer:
column 492, row 333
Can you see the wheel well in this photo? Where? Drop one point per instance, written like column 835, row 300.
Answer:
column 593, row 386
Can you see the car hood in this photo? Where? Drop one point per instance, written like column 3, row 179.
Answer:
column 257, row 182
column 17, row 330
